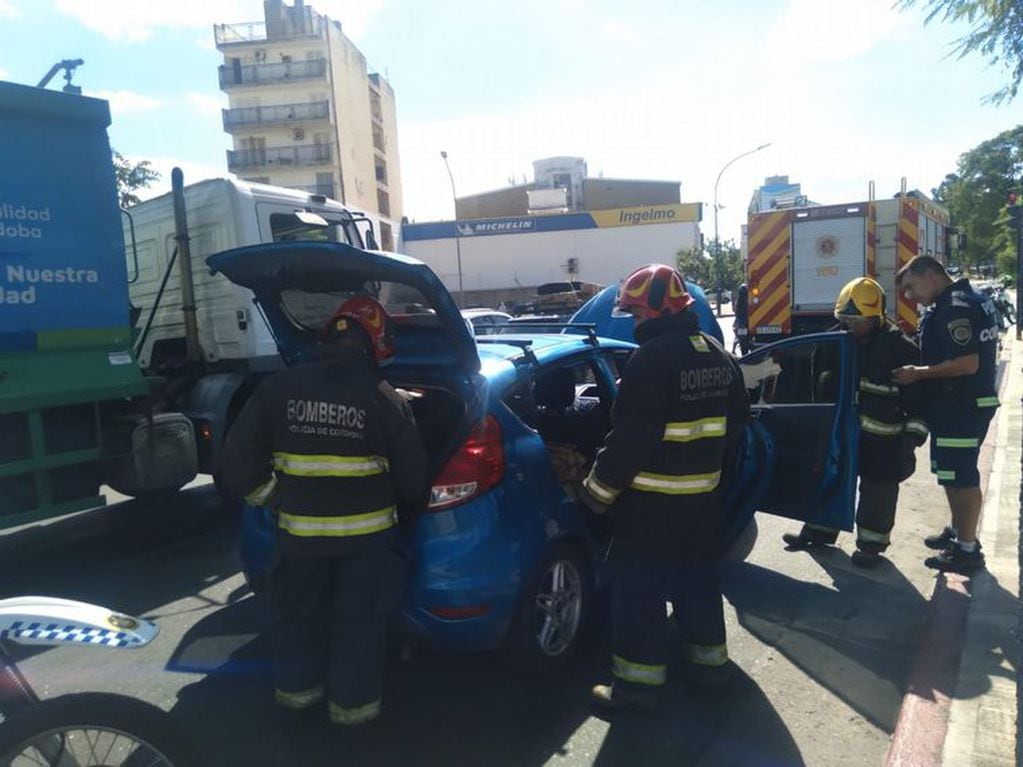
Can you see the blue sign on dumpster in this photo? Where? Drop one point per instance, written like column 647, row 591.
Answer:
column 63, row 281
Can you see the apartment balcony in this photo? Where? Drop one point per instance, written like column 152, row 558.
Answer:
column 315, row 111
column 305, row 155
column 326, row 190
column 308, row 25
column 238, row 76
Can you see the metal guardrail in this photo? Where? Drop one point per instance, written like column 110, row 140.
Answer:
column 256, row 31
column 262, row 74
column 302, row 155
column 317, row 110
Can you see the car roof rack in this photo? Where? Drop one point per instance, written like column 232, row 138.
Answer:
column 589, row 327
column 525, row 346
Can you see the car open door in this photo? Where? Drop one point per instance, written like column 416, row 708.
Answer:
column 806, row 425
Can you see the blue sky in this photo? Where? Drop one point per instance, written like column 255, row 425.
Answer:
column 847, row 92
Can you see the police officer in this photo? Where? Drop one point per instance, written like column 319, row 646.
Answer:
column 339, row 451
column 891, row 421
column 680, row 411
column 959, row 343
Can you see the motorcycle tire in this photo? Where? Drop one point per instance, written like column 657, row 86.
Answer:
column 93, row 729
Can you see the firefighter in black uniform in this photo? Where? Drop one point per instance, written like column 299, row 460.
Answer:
column 338, row 451
column 676, row 422
column 959, row 342
column 891, row 421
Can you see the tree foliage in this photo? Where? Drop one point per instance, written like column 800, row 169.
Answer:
column 131, row 178
column 697, row 266
column 976, row 196
column 996, row 31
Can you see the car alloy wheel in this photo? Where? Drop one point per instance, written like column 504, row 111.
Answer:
column 559, row 606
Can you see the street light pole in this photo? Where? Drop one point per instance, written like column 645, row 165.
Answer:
column 717, row 241
column 458, row 235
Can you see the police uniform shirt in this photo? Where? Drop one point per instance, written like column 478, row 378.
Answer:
column 961, row 322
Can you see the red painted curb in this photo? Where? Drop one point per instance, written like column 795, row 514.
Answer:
column 919, row 736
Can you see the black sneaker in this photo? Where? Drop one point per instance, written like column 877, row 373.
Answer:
column 957, row 560
column 944, row 540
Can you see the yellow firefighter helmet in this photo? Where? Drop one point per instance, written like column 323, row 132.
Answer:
column 861, row 297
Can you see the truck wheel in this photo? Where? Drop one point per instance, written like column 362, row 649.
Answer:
column 552, row 612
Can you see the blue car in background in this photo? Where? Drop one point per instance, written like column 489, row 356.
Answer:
column 599, row 311
column 504, row 555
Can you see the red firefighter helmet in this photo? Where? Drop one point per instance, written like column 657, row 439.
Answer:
column 654, row 290
column 370, row 315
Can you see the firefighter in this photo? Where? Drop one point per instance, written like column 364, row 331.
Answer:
column 338, row 450
column 959, row 342
column 740, row 326
column 680, row 411
column 891, row 421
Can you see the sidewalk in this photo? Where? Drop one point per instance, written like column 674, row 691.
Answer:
column 960, row 708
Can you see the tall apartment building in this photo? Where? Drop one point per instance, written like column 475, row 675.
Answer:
column 306, row 113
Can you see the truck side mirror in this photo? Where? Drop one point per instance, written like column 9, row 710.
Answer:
column 371, row 240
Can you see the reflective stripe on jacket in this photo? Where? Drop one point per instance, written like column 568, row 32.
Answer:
column 335, row 446
column 681, row 409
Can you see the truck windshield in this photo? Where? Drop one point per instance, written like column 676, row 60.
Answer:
column 285, row 227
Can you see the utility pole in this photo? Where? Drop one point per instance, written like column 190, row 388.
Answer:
column 458, row 235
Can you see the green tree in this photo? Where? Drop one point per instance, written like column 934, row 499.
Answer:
column 697, row 266
column 996, row 31
column 976, row 195
column 132, row 177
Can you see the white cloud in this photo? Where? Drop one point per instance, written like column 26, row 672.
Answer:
column 4, row 74
column 136, row 21
column 621, row 30
column 127, row 102
column 831, row 30
column 200, row 102
column 8, row 10
column 193, row 172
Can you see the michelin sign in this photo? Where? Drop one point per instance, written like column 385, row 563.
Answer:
column 595, row 219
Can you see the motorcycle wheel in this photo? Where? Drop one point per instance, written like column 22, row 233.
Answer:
column 95, row 730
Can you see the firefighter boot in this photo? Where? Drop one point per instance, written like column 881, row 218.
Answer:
column 810, row 536
column 866, row 558
column 944, row 540
column 619, row 697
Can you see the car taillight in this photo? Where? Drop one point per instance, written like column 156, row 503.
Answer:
column 476, row 467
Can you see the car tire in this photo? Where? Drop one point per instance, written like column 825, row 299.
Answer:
column 553, row 610
column 743, row 545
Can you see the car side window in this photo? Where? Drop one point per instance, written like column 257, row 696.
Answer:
column 617, row 360
column 799, row 374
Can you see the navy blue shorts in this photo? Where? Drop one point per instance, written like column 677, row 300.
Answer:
column 955, row 447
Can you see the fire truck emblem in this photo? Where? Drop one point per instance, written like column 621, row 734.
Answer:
column 827, row 246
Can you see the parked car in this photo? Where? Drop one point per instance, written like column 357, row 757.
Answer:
column 563, row 297
column 503, row 555
column 485, row 321
column 599, row 311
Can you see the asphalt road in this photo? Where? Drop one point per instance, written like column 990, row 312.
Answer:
column 823, row 651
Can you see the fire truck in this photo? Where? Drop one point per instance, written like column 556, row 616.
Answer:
column 799, row 258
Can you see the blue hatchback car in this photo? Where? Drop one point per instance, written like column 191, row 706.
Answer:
column 504, row 555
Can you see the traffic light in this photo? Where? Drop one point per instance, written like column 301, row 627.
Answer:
column 1015, row 211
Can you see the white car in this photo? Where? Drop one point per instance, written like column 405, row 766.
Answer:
column 484, row 321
